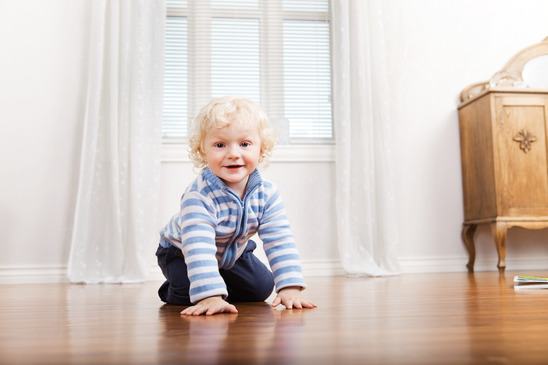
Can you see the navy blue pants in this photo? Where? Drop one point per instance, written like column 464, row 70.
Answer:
column 249, row 280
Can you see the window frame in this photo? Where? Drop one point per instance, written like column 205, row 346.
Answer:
column 271, row 16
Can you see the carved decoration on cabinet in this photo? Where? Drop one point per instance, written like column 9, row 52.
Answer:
column 525, row 139
column 505, row 186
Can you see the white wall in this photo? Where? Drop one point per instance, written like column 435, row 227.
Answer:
column 436, row 49
column 42, row 89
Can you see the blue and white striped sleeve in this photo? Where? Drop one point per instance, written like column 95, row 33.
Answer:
column 198, row 222
column 279, row 244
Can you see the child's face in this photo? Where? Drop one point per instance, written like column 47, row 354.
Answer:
column 232, row 153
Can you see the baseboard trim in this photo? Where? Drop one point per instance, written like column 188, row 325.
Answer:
column 311, row 268
column 322, row 268
column 58, row 274
column 33, row 275
column 458, row 264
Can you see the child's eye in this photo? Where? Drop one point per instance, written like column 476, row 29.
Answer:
column 219, row 145
column 245, row 144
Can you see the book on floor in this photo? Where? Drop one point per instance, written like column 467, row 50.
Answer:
column 530, row 282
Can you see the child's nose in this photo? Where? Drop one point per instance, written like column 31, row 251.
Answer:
column 233, row 151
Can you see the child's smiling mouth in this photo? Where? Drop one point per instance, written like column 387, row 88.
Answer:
column 233, row 167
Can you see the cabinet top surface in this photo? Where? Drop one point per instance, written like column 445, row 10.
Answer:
column 504, row 90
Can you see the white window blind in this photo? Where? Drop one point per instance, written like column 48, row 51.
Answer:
column 176, row 81
column 235, row 60
column 307, row 78
column 275, row 52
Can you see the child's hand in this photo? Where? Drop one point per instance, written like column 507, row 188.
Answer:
column 209, row 306
column 292, row 297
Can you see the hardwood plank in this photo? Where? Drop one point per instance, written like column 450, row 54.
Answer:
column 450, row 318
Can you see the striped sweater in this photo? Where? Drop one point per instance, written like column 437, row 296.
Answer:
column 214, row 225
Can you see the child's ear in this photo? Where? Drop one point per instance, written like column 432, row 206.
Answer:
column 262, row 155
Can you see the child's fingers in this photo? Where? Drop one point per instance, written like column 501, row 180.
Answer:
column 199, row 309
column 188, row 311
column 298, row 304
column 293, row 302
column 276, row 301
column 308, row 304
column 231, row 309
column 195, row 310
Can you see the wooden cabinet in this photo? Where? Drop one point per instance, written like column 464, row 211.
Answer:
column 503, row 127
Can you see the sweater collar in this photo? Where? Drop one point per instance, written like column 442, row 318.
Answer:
column 255, row 179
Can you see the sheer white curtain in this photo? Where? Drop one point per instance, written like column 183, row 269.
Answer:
column 114, row 223
column 366, row 207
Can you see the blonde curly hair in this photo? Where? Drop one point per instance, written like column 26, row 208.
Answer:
column 221, row 112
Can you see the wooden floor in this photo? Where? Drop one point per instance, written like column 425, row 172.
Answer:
column 453, row 318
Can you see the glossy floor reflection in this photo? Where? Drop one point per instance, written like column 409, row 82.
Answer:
column 452, row 318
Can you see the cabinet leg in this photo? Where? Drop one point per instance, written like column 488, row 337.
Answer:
column 499, row 231
column 468, row 231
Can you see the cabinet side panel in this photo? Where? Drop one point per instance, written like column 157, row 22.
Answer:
column 521, row 130
column 478, row 177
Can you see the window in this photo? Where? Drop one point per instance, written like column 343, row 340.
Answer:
column 275, row 52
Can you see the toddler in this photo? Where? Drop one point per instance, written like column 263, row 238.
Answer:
column 205, row 250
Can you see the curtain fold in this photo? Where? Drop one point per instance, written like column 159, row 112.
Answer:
column 114, row 227
column 366, row 206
